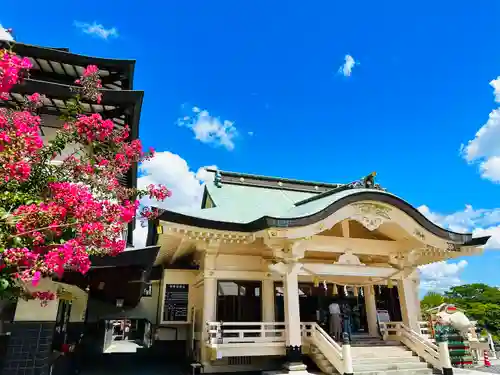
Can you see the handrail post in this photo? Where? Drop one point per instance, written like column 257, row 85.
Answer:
column 346, row 354
column 221, row 332
column 444, row 353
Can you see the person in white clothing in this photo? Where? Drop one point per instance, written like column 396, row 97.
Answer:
column 335, row 321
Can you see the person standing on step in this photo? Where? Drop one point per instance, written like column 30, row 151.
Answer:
column 335, row 321
column 347, row 318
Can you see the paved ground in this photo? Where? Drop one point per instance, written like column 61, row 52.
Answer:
column 480, row 369
column 143, row 370
column 124, row 346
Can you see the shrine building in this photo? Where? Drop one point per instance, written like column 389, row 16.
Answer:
column 271, row 254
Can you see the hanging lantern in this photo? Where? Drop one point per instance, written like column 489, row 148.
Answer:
column 356, row 291
column 334, row 290
column 390, row 284
column 316, row 281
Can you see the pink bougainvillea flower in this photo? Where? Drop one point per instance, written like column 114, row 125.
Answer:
column 61, row 213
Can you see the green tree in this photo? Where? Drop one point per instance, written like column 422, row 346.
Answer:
column 430, row 300
column 480, row 302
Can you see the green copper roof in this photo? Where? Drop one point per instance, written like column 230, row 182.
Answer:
column 244, row 198
column 244, row 204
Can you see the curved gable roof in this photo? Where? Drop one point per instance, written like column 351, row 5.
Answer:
column 247, row 214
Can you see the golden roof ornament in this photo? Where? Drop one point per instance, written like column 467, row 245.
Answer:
column 217, row 179
column 367, row 182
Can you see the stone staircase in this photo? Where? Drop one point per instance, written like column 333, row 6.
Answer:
column 373, row 356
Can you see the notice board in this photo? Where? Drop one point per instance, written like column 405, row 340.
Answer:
column 176, row 303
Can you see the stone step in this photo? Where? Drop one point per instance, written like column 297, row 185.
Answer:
column 372, row 355
column 426, row 371
column 383, row 347
column 379, row 349
column 374, row 343
column 363, row 360
column 388, row 366
column 324, row 364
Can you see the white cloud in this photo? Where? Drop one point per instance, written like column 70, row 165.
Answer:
column 346, row 68
column 5, row 34
column 440, row 276
column 494, row 232
column 209, row 129
column 485, row 147
column 172, row 171
column 97, row 30
column 468, row 220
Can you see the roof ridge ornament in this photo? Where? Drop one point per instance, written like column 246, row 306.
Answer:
column 217, row 179
column 367, row 182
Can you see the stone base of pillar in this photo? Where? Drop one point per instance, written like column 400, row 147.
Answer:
column 28, row 349
column 295, row 366
column 291, row 368
column 294, row 354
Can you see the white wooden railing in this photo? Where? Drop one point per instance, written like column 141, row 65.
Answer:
column 416, row 342
column 332, row 351
column 238, row 333
column 245, row 332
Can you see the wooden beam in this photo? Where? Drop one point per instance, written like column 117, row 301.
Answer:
column 181, row 250
column 345, row 228
column 356, row 245
column 347, row 270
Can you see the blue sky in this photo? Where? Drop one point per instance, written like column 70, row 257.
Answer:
column 265, row 78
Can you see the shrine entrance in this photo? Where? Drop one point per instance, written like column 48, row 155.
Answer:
column 315, row 300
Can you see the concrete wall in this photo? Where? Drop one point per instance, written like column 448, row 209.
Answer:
column 49, row 129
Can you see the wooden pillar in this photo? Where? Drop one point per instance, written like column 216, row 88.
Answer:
column 268, row 300
column 371, row 310
column 292, row 313
column 209, row 296
column 409, row 312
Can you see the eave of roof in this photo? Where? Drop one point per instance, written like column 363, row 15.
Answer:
column 142, row 257
column 311, row 212
column 58, row 90
column 121, row 99
column 66, row 57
